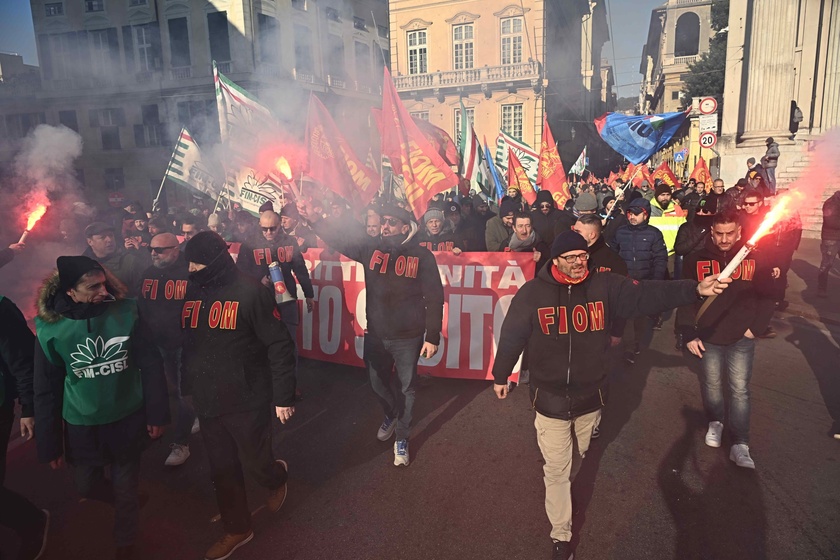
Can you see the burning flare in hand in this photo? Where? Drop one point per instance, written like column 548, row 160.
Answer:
column 36, row 214
column 283, row 167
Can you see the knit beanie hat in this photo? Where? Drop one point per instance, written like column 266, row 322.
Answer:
column 586, row 202
column 508, row 207
column 662, row 188
column 568, row 241
column 205, row 247
column 70, row 269
column 433, row 214
column 213, row 220
column 289, row 210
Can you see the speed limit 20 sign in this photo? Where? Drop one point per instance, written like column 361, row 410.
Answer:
column 708, row 139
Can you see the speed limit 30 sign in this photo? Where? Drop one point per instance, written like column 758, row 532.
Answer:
column 708, row 139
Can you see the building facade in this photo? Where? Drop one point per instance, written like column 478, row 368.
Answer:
column 128, row 74
column 490, row 56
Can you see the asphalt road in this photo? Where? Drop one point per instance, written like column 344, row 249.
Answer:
column 649, row 487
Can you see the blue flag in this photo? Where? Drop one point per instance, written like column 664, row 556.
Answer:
column 500, row 190
column 638, row 137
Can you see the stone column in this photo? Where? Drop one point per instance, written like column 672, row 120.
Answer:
column 770, row 69
column 831, row 99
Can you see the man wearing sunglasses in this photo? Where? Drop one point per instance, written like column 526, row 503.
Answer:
column 564, row 317
column 162, row 292
column 404, row 299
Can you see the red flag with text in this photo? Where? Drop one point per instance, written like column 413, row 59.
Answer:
column 332, row 162
column 517, row 177
column 424, row 171
column 700, row 173
column 664, row 173
column 550, row 174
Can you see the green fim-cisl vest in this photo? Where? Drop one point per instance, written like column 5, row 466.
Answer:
column 102, row 382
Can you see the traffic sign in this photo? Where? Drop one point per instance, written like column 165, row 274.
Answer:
column 708, row 123
column 708, row 139
column 708, row 105
column 680, row 156
column 116, row 199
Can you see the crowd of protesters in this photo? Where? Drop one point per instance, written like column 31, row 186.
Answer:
column 159, row 298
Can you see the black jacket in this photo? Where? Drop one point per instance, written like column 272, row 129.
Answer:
column 404, row 294
column 161, row 299
column 692, row 235
column 445, row 241
column 747, row 303
column 565, row 221
column 602, row 258
column 237, row 354
column 100, row 444
column 17, row 346
column 643, row 249
column 831, row 218
column 255, row 256
column 6, row 256
column 565, row 329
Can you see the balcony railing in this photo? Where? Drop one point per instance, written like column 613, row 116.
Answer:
column 181, row 73
column 473, row 76
column 336, row 82
column 224, row 67
column 685, row 59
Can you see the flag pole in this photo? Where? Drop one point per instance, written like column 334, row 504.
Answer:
column 382, row 52
column 623, row 190
column 156, row 201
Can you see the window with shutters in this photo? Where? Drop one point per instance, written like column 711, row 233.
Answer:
column 143, row 48
column 303, row 49
column 114, row 178
column 54, row 9
column 61, row 54
column 68, row 119
column 100, row 54
column 470, row 121
column 269, row 39
column 179, row 42
column 110, row 137
column 362, row 61
column 462, row 46
column 133, row 3
column 18, row 126
column 512, row 40
column 150, row 133
column 512, row 120
column 217, row 28
column 417, row 52
column 335, row 57
column 94, row 5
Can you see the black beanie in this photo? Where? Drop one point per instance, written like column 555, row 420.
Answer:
column 508, row 207
column 568, row 241
column 70, row 269
column 205, row 247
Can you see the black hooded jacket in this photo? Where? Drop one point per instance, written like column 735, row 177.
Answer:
column 404, row 294
column 17, row 344
column 161, row 299
column 237, row 354
column 747, row 303
column 256, row 255
column 565, row 329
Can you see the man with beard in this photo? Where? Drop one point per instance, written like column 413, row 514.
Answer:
column 462, row 233
column 100, row 392
column 723, row 334
column 437, row 236
column 238, row 363
column 161, row 298
column 568, row 371
column 404, row 302
column 127, row 266
column 663, row 204
column 526, row 240
column 545, row 215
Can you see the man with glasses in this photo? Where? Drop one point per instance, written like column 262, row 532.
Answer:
column 404, row 299
column 189, row 227
column 563, row 317
column 162, row 292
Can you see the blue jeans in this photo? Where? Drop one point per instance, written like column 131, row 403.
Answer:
column 395, row 392
column 737, row 358
column 122, row 492
column 185, row 412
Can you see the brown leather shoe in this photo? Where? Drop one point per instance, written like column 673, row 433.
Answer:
column 278, row 496
column 227, row 545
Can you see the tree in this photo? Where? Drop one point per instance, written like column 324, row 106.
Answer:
column 706, row 75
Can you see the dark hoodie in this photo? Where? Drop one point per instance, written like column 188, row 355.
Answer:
column 16, row 358
column 404, row 294
column 544, row 223
column 565, row 328
column 237, row 355
column 90, row 395
column 747, row 303
column 693, row 234
column 161, row 299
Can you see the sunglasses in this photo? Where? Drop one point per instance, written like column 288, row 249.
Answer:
column 570, row 259
column 271, row 229
column 750, row 203
column 635, row 212
column 545, row 205
column 393, row 222
column 161, row 249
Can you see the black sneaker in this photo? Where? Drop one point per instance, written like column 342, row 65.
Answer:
column 596, row 432
column 782, row 305
column 562, row 551
column 657, row 325
column 637, row 349
column 629, row 358
column 679, row 343
column 33, row 542
column 769, row 333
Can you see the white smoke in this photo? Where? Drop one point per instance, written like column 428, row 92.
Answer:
column 44, row 164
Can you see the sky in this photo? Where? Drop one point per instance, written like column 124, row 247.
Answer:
column 630, row 20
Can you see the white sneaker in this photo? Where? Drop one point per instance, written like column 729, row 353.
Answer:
column 401, row 453
column 387, row 429
column 178, row 455
column 740, row 453
column 195, row 427
column 714, row 435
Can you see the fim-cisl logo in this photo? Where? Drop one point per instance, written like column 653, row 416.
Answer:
column 96, row 357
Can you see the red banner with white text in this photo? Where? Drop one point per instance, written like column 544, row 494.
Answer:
column 477, row 290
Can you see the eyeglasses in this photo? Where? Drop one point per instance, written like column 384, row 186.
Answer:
column 393, row 222
column 546, row 205
column 751, row 203
column 161, row 249
column 570, row 259
column 271, row 229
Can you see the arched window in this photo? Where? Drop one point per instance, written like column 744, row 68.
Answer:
column 687, row 38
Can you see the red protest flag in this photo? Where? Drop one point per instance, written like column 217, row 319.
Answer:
column 612, row 178
column 700, row 173
column 517, row 177
column 642, row 175
column 441, row 141
column 667, row 176
column 550, row 174
column 628, row 172
column 424, row 171
column 332, row 162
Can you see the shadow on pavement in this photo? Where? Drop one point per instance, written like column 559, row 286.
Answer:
column 718, row 514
